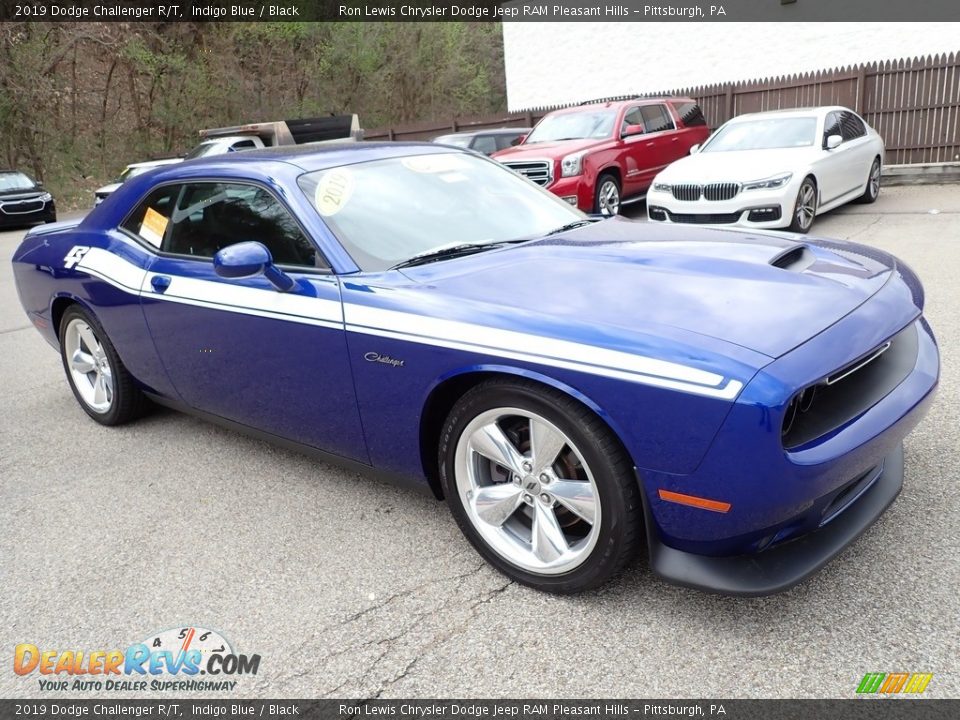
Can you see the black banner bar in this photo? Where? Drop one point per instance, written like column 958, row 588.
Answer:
column 480, row 11
column 187, row 709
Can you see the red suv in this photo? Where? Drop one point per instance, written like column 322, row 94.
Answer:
column 601, row 155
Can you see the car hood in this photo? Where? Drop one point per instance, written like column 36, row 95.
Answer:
column 737, row 166
column 764, row 292
column 546, row 149
column 21, row 194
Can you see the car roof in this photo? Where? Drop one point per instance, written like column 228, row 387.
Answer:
column 617, row 104
column 793, row 112
column 492, row 131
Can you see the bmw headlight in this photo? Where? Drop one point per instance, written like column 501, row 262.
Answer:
column 46, row 197
column 572, row 164
column 770, row 183
column 662, row 187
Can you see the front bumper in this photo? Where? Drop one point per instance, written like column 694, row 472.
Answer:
column 12, row 214
column 751, row 208
column 577, row 190
column 783, row 566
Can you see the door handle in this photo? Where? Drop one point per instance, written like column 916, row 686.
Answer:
column 650, row 144
column 160, row 283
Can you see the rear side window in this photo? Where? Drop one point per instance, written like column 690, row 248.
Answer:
column 690, row 114
column 851, row 127
column 151, row 218
column 485, row 144
column 655, row 118
column 210, row 216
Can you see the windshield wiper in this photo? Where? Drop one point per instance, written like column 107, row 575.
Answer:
column 569, row 226
column 442, row 253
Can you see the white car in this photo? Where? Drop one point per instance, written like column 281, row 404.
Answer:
column 132, row 170
column 772, row 170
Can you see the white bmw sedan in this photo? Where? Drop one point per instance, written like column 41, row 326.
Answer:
column 772, row 170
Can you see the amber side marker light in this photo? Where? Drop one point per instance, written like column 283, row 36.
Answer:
column 694, row 501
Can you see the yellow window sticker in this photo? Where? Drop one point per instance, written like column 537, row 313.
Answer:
column 333, row 191
column 153, row 226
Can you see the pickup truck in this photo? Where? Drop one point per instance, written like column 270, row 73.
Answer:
column 601, row 155
column 218, row 141
column 334, row 128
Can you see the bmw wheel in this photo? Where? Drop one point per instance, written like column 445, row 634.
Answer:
column 872, row 191
column 805, row 209
column 99, row 380
column 540, row 486
column 607, row 201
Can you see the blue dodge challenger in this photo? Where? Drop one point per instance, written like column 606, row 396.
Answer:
column 575, row 389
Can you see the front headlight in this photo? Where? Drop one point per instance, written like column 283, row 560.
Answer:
column 572, row 164
column 46, row 197
column 662, row 187
column 769, row 183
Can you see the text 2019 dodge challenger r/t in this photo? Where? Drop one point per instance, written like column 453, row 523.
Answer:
column 572, row 388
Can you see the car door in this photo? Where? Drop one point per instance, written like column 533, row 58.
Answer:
column 636, row 154
column 238, row 348
column 830, row 168
column 859, row 151
column 657, row 144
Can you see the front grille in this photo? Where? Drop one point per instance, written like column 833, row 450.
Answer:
column 720, row 191
column 540, row 171
column 19, row 208
column 705, row 218
column 687, row 192
column 848, row 392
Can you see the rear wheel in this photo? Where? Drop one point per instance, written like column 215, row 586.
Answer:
column 805, row 209
column 540, row 486
column 607, row 200
column 872, row 191
column 99, row 380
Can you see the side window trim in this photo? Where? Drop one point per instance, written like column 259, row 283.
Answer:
column 328, row 270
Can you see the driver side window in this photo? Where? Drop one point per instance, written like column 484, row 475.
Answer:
column 210, row 216
column 633, row 117
column 831, row 126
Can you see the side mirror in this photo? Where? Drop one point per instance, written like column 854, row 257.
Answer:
column 249, row 259
column 695, row 149
column 519, row 139
column 834, row 141
column 632, row 130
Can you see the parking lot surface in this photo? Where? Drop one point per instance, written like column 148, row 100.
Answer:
column 347, row 587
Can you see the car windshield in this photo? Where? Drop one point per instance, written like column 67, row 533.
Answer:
column 573, row 126
column 132, row 171
column 458, row 140
column 204, row 148
column 765, row 134
column 385, row 212
column 15, row 181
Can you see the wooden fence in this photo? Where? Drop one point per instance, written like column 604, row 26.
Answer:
column 914, row 104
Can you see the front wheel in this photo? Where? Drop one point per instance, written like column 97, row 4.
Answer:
column 607, row 200
column 540, row 486
column 805, row 209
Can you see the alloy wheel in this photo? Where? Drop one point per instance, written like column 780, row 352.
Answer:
column 609, row 198
column 806, row 205
column 89, row 366
column 527, row 490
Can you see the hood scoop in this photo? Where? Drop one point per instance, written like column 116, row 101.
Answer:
column 794, row 259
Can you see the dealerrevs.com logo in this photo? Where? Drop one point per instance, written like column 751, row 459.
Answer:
column 172, row 660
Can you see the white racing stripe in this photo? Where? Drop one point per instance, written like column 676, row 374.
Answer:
column 409, row 327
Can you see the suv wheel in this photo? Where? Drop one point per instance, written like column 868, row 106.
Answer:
column 607, row 200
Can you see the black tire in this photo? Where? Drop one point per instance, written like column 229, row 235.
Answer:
column 127, row 402
column 801, row 223
column 600, row 204
column 872, row 191
column 621, row 523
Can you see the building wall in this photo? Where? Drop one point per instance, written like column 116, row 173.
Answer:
column 557, row 63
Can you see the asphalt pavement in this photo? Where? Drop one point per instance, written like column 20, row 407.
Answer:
column 348, row 587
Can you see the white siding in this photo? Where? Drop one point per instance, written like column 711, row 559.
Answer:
column 556, row 63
